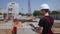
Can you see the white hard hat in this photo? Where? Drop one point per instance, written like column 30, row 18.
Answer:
column 44, row 6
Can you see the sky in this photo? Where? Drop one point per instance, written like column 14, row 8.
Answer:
column 35, row 4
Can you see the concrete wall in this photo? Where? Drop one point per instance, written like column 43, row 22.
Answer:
column 24, row 29
column 5, row 31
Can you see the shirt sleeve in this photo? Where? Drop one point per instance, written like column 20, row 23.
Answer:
column 41, row 22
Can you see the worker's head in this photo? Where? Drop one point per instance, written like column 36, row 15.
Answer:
column 44, row 8
column 15, row 21
column 44, row 11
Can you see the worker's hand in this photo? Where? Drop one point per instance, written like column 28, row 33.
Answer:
column 36, row 30
column 33, row 29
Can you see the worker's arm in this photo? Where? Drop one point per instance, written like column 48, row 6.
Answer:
column 38, row 29
column 41, row 24
column 12, row 30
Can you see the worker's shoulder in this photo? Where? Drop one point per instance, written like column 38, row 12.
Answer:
column 48, row 17
column 43, row 18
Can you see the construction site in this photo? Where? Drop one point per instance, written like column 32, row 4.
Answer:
column 12, row 12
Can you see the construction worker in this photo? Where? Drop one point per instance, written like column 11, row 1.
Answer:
column 46, row 22
column 15, row 25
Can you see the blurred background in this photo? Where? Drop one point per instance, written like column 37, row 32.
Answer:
column 26, row 10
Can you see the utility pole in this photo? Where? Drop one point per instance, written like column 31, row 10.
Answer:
column 29, row 8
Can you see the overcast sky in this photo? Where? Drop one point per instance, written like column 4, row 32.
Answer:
column 35, row 4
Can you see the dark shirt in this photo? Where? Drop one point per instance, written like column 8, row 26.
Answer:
column 15, row 30
column 46, row 22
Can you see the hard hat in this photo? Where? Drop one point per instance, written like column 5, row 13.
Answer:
column 44, row 6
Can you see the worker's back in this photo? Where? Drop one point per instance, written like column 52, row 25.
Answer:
column 47, row 25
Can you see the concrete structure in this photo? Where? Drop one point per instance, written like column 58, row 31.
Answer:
column 13, row 9
column 1, row 14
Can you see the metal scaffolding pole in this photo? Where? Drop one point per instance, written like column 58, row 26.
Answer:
column 29, row 8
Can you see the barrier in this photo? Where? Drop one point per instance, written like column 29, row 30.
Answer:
column 24, row 28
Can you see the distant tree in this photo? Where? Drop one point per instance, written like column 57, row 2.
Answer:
column 54, row 12
column 37, row 13
column 20, row 13
column 26, row 14
column 23, row 14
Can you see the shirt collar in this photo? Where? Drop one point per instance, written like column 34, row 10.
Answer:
column 46, row 14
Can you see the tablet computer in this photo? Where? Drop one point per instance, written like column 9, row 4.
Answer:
column 32, row 26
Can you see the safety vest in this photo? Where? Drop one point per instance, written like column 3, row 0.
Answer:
column 14, row 27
